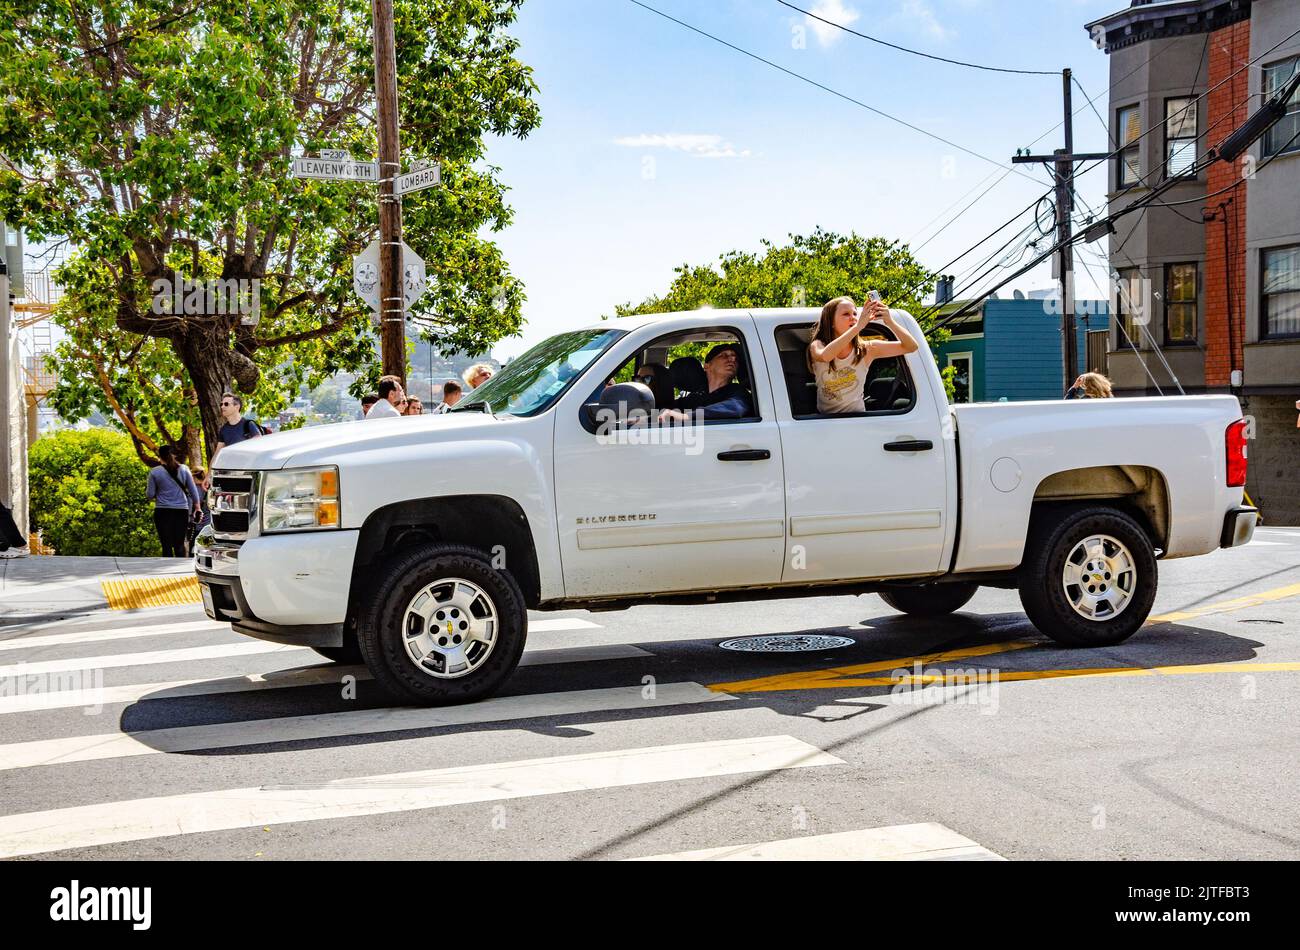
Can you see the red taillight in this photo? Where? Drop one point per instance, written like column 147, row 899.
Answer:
column 1235, row 441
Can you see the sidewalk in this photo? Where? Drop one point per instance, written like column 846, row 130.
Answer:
column 42, row 589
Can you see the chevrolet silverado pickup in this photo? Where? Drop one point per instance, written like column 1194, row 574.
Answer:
column 418, row 544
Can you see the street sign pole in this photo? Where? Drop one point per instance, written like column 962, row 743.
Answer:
column 392, row 323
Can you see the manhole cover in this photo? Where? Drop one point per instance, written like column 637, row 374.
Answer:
column 786, row 643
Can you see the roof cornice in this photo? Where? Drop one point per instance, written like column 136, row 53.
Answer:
column 1162, row 19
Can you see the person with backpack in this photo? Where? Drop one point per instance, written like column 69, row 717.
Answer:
column 174, row 495
column 236, row 428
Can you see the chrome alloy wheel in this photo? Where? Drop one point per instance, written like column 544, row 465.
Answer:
column 449, row 628
column 1099, row 577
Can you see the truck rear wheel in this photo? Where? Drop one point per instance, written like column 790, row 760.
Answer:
column 443, row 626
column 929, row 600
column 1088, row 577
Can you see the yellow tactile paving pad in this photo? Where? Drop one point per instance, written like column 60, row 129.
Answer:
column 134, row 592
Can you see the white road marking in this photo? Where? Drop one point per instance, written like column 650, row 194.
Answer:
column 223, row 735
column 75, row 694
column 94, row 635
column 921, row 842
column 117, row 633
column 145, row 818
column 151, row 658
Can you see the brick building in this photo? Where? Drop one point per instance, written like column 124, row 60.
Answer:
column 1209, row 279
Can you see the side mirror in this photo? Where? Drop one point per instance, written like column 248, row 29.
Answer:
column 621, row 406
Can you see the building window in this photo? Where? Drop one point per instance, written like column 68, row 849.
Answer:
column 1129, row 123
column 1280, row 308
column 1180, row 135
column 1127, row 307
column 1180, row 303
column 1285, row 136
column 964, row 379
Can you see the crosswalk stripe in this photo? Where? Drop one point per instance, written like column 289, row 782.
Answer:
column 118, row 633
column 920, row 842
column 146, row 818
column 78, row 694
column 150, row 658
column 157, row 630
column 223, row 735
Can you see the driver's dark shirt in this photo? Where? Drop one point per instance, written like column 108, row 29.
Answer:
column 731, row 401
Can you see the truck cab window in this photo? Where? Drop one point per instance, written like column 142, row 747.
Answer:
column 888, row 389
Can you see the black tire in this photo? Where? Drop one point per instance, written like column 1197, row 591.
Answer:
column 380, row 631
column 929, row 600
column 1054, row 533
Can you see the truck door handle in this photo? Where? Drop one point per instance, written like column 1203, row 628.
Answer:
column 745, row 455
column 909, row 445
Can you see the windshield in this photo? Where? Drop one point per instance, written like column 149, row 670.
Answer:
column 535, row 380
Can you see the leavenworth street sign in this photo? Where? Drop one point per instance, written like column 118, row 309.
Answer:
column 335, row 165
column 365, row 276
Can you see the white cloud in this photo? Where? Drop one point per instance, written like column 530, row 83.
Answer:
column 918, row 15
column 837, row 12
column 700, row 146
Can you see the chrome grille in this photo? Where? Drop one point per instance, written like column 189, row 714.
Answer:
column 233, row 502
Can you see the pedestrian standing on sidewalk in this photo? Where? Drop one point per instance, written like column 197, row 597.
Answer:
column 234, row 428
column 171, row 488
column 14, row 544
column 391, row 397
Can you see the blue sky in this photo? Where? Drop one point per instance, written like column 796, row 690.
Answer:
column 660, row 147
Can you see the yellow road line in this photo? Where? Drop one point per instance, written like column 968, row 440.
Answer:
column 1238, row 603
column 136, row 592
column 850, row 676
column 835, row 677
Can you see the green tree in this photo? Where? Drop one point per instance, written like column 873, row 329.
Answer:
column 807, row 272
column 88, row 494
column 158, row 139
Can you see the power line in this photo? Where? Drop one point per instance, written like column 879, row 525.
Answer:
column 961, row 212
column 126, row 38
column 925, row 227
column 904, row 49
column 834, row 92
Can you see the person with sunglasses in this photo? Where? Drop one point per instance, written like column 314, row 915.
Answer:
column 235, row 428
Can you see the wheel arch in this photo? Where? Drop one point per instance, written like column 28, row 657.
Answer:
column 1139, row 490
column 493, row 524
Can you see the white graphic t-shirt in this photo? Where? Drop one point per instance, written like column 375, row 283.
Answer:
column 841, row 384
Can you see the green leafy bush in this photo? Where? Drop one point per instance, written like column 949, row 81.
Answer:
column 88, row 495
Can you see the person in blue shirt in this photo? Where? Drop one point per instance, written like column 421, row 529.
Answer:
column 172, row 490
column 724, row 398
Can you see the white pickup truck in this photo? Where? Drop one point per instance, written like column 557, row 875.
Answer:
column 418, row 544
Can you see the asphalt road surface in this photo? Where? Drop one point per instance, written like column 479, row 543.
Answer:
column 157, row 734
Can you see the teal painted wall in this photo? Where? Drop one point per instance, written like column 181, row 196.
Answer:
column 1018, row 357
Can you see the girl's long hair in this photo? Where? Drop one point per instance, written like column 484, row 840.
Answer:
column 167, row 456
column 824, row 330
column 1097, row 386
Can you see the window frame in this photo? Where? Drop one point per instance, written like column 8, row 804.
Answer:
column 1266, row 145
column 1264, row 295
column 741, row 340
column 969, row 357
column 1133, row 341
column 870, row 414
column 1122, row 147
column 1195, row 302
column 1194, row 138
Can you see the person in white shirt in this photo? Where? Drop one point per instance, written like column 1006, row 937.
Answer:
column 391, row 396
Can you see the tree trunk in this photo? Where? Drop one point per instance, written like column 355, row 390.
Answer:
column 205, row 352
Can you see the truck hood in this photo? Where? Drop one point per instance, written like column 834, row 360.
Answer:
column 325, row 445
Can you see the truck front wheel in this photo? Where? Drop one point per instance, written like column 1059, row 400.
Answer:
column 443, row 626
column 1088, row 577
column 929, row 600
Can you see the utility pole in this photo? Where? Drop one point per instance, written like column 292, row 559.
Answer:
column 392, row 322
column 1062, row 161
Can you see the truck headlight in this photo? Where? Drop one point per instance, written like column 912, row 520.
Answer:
column 301, row 499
